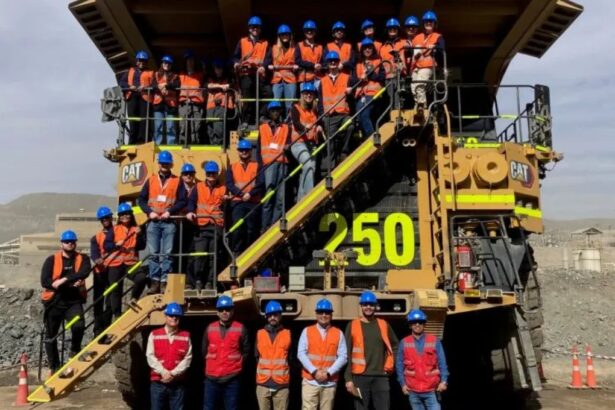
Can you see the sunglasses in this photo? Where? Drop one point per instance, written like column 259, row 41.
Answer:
column 70, row 242
column 187, row 174
column 211, row 174
column 323, row 312
column 224, row 310
column 173, row 317
column 241, row 151
column 123, row 215
column 369, row 305
column 417, row 323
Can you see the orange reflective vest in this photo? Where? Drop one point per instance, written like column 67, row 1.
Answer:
column 147, row 81
column 322, row 353
column 421, row 41
column 244, row 178
column 334, row 91
column 398, row 45
column 282, row 57
column 368, row 87
column 209, row 203
column 307, row 117
column 58, row 268
column 169, row 354
column 345, row 51
column 162, row 197
column 377, row 46
column 272, row 144
column 421, row 373
column 217, row 97
column 100, row 240
column 253, row 54
column 164, row 78
column 273, row 357
column 128, row 253
column 358, row 363
column 191, row 88
column 131, row 80
column 223, row 356
column 312, row 54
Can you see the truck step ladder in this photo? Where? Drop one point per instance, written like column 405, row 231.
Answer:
column 529, row 365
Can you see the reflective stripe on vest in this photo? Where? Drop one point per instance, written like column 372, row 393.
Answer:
column 312, row 54
column 283, row 57
column 420, row 42
column 193, row 81
column 421, row 373
column 307, row 117
column 128, row 254
column 244, row 178
column 169, row 354
column 273, row 144
column 162, row 197
column 322, row 352
column 58, row 268
column 368, row 87
column 273, row 357
column 209, row 202
column 332, row 92
column 358, row 363
column 223, row 356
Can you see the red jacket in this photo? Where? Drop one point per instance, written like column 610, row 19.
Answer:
column 421, row 372
column 169, row 354
column 223, row 356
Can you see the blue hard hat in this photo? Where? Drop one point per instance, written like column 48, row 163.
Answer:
column 338, row 25
column 324, row 305
column 173, row 309
column 367, row 42
column 68, row 236
column 309, row 25
column 308, row 88
column 266, row 273
column 273, row 105
column 188, row 54
column 368, row 297
column 417, row 315
column 188, row 168
column 124, row 208
column 165, row 157
column 367, row 23
column 273, row 307
column 167, row 59
column 224, row 302
column 255, row 21
column 332, row 55
column 284, row 29
column 392, row 22
column 411, row 21
column 430, row 16
column 142, row 55
column 211, row 166
column 103, row 212
column 244, row 144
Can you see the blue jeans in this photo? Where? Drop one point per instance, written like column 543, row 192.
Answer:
column 165, row 396
column 272, row 209
column 365, row 118
column 286, row 91
column 424, row 401
column 306, row 180
column 228, row 392
column 160, row 237
column 160, row 113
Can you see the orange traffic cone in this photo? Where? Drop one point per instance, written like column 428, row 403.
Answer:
column 576, row 383
column 22, row 388
column 590, row 379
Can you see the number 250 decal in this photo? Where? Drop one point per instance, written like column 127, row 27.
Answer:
column 364, row 228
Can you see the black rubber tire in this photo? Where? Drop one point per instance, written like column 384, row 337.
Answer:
column 132, row 372
column 533, row 315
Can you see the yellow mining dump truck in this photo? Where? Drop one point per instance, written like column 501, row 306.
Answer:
column 430, row 211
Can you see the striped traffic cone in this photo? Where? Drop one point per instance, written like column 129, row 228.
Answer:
column 590, row 379
column 576, row 383
column 22, row 388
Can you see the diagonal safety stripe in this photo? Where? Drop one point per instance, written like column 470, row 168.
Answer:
column 110, row 289
column 72, row 322
column 236, row 226
column 268, row 196
column 295, row 171
column 534, row 213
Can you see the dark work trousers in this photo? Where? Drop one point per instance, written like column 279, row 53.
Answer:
column 201, row 268
column 248, row 231
column 215, row 127
column 167, row 396
column 374, row 389
column 139, row 281
column 190, row 126
column 340, row 143
column 101, row 282
column 58, row 311
column 247, row 85
column 136, row 107
column 112, row 302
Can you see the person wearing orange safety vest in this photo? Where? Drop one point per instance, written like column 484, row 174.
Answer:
column 136, row 97
column 98, row 254
column 63, row 278
column 191, row 100
column 309, row 55
column 373, row 346
column 428, row 48
column 205, row 210
column 411, row 24
column 273, row 139
column 226, row 348
column 187, row 230
column 127, row 240
column 322, row 353
column 164, row 99
column 393, row 58
column 168, row 354
column 421, row 365
column 368, row 30
column 220, row 102
column 272, row 356
column 162, row 196
column 281, row 61
column 371, row 76
column 246, row 184
column 249, row 62
column 342, row 48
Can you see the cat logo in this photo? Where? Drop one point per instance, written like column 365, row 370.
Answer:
column 522, row 172
column 134, row 173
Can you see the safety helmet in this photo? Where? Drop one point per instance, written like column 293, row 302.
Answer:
column 255, row 21
column 174, row 309
column 367, row 23
column 308, row 88
column 124, row 208
column 417, row 315
column 244, row 144
column 188, row 54
column 367, row 42
column 368, row 297
column 338, row 25
column 167, row 59
column 284, row 29
column 430, row 16
column 142, row 55
column 68, row 236
column 187, row 169
column 224, row 302
column 392, row 22
column 411, row 21
column 273, row 307
column 103, row 212
column 332, row 55
column 324, row 305
column 211, row 166
column 274, row 105
column 165, row 157
column 309, row 25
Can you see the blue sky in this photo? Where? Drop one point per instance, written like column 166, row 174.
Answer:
column 54, row 77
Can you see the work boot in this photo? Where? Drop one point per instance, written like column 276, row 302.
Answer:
column 154, row 287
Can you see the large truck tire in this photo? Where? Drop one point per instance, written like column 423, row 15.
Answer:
column 132, row 372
